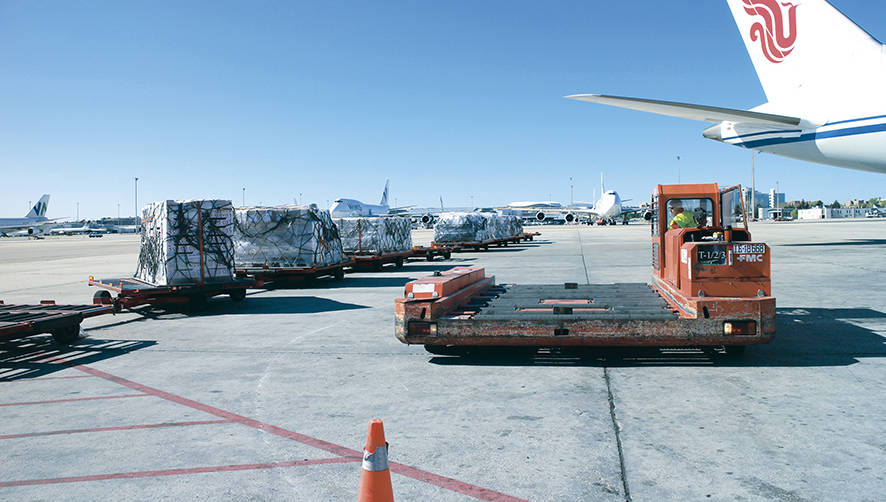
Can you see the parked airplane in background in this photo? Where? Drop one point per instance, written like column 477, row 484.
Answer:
column 85, row 229
column 350, row 208
column 33, row 222
column 605, row 211
column 823, row 77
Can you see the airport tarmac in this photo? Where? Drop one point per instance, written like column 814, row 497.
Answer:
column 270, row 399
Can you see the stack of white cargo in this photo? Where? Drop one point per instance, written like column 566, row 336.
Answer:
column 186, row 242
column 462, row 227
column 375, row 235
column 285, row 237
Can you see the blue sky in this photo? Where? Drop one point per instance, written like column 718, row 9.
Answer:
column 327, row 99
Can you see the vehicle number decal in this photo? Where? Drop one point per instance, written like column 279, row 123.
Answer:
column 749, row 248
column 712, row 255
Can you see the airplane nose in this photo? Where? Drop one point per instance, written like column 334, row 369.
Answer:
column 713, row 132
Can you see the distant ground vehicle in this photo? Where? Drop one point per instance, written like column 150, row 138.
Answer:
column 873, row 213
column 96, row 234
column 710, row 287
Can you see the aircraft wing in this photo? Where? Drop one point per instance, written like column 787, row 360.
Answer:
column 703, row 113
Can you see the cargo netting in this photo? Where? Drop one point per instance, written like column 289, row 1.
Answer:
column 475, row 227
column 375, row 235
column 186, row 242
column 285, row 237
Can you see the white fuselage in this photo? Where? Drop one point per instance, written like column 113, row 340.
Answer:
column 858, row 143
column 609, row 205
column 350, row 208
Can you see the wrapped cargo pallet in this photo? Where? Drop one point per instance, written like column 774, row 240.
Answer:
column 186, row 242
column 375, row 235
column 497, row 225
column 503, row 226
column 461, row 227
column 285, row 237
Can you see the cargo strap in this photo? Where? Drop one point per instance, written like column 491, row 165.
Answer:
column 376, row 461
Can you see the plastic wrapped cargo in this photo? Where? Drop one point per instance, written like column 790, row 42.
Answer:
column 375, row 235
column 186, row 242
column 285, row 237
column 462, row 227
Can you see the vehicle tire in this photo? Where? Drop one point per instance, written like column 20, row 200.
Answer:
column 103, row 296
column 399, row 262
column 67, row 335
column 430, row 257
column 446, row 350
column 237, row 295
column 339, row 274
column 196, row 303
column 486, row 247
column 447, row 255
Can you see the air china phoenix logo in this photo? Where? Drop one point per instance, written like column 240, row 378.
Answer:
column 777, row 31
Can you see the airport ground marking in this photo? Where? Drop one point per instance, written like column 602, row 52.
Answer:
column 70, row 400
column 345, row 454
column 179, row 472
column 114, row 428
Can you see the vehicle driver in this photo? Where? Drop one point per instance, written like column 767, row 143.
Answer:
column 679, row 217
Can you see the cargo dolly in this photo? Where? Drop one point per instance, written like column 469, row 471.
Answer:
column 61, row 321
column 295, row 276
column 377, row 261
column 443, row 250
column 484, row 244
column 529, row 236
column 132, row 292
column 710, row 287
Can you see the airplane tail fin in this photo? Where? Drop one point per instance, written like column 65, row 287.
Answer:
column 39, row 208
column 807, row 50
column 384, row 195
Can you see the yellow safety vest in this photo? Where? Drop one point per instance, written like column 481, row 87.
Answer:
column 684, row 220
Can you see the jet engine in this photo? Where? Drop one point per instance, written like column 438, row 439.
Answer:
column 540, row 216
column 569, row 217
column 428, row 219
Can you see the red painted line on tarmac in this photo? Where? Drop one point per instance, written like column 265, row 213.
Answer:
column 53, row 401
column 26, row 379
column 349, row 454
column 114, row 428
column 454, row 485
column 178, row 472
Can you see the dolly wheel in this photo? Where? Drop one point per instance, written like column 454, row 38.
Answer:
column 447, row 255
column 68, row 334
column 399, row 262
column 430, row 256
column 102, row 297
column 339, row 274
column 486, row 247
column 238, row 295
column 735, row 350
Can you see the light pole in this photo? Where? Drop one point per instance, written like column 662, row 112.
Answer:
column 472, row 202
column 136, row 200
column 78, row 211
column 243, row 200
column 118, row 213
column 753, row 187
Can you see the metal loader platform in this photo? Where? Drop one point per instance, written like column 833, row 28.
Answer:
column 463, row 307
column 61, row 321
column 132, row 292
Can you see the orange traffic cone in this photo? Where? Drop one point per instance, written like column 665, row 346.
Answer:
column 375, row 480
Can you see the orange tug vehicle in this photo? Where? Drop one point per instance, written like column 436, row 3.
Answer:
column 711, row 287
